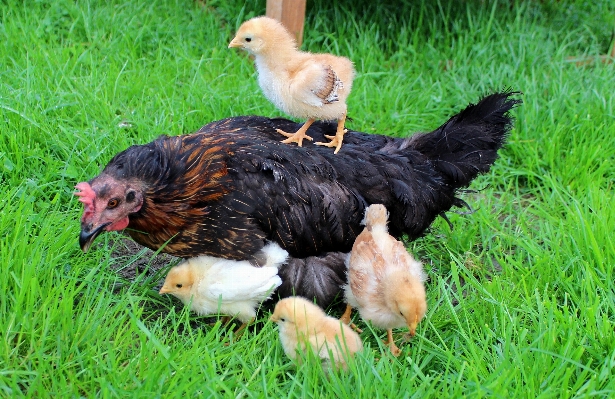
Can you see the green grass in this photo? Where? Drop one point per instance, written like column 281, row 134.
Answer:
column 521, row 293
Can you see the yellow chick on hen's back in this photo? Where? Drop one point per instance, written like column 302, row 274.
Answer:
column 302, row 84
column 385, row 283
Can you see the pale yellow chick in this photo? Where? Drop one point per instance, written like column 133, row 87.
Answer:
column 302, row 84
column 220, row 286
column 385, row 283
column 304, row 326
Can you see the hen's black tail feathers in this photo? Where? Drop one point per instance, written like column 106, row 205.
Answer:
column 468, row 143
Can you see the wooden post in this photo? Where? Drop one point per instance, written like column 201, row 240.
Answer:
column 291, row 13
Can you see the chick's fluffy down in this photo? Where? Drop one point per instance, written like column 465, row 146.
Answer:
column 304, row 326
column 213, row 285
column 299, row 83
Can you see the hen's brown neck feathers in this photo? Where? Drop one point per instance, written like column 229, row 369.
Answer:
column 178, row 186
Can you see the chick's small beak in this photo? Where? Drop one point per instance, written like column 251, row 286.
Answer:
column 164, row 290
column 87, row 236
column 412, row 325
column 274, row 318
column 235, row 43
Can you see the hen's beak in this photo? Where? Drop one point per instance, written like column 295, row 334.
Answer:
column 86, row 238
column 235, row 43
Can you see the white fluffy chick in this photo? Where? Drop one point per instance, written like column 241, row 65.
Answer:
column 220, row 286
column 385, row 283
column 305, row 326
column 304, row 85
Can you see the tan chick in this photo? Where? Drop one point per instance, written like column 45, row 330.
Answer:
column 385, row 283
column 304, row 326
column 220, row 286
column 301, row 84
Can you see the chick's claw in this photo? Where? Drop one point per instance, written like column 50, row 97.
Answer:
column 294, row 137
column 395, row 351
column 355, row 328
column 336, row 141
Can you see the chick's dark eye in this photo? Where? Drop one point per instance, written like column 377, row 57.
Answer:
column 113, row 202
column 282, row 319
column 248, row 39
column 178, row 285
column 130, row 196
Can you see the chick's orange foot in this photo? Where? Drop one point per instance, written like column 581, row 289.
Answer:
column 390, row 342
column 336, row 141
column 299, row 135
column 294, row 137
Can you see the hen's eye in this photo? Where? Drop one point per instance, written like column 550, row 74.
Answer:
column 113, row 202
column 178, row 285
column 248, row 39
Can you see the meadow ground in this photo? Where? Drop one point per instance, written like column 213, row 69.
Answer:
column 521, row 293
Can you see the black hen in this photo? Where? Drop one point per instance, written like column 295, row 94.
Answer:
column 227, row 189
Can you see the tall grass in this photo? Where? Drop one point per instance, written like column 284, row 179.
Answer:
column 521, row 293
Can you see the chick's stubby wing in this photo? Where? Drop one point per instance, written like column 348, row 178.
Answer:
column 239, row 281
column 367, row 265
column 321, row 79
column 400, row 258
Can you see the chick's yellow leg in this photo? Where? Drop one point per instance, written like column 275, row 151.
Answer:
column 391, row 343
column 299, row 135
column 336, row 141
column 242, row 328
column 346, row 316
column 346, row 319
column 239, row 332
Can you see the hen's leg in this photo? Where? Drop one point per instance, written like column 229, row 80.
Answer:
column 299, row 135
column 346, row 319
column 336, row 141
column 391, row 343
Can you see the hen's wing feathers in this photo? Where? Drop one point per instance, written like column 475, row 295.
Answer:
column 299, row 196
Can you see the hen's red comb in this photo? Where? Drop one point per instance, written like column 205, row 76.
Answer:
column 86, row 196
